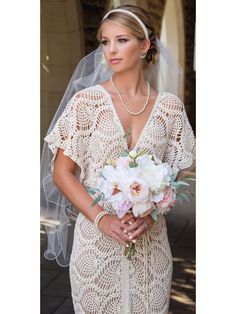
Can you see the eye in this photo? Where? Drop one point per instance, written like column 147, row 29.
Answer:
column 104, row 42
column 123, row 40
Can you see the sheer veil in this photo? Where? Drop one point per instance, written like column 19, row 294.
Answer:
column 57, row 213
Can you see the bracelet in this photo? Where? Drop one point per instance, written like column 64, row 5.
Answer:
column 98, row 217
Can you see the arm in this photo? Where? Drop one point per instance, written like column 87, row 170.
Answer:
column 68, row 184
column 180, row 147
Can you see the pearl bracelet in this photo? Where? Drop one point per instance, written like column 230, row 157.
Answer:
column 98, row 217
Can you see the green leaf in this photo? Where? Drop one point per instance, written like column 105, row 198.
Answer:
column 180, row 199
column 184, row 196
column 188, row 178
column 182, row 183
column 91, row 191
column 154, row 214
column 174, row 177
column 133, row 164
column 97, row 199
column 188, row 193
column 124, row 153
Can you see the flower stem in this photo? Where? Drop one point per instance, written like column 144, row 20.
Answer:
column 130, row 251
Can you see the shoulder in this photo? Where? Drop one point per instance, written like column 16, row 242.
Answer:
column 87, row 102
column 90, row 94
column 172, row 103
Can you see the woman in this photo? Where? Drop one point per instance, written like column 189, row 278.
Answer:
column 87, row 134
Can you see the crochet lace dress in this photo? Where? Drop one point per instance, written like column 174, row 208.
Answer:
column 103, row 280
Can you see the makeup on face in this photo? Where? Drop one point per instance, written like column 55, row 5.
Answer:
column 120, row 47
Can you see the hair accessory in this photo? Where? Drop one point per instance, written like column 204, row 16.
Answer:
column 131, row 14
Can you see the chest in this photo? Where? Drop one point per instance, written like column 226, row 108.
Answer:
column 133, row 125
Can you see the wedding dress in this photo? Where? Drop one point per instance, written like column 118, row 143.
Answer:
column 103, row 280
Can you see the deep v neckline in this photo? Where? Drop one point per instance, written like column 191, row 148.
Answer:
column 121, row 124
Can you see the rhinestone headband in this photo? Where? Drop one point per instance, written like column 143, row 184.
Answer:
column 131, row 14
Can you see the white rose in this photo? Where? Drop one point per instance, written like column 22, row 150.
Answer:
column 137, row 190
column 142, row 208
column 105, row 187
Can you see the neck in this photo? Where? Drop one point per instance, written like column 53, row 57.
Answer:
column 130, row 83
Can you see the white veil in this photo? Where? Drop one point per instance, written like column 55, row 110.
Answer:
column 57, row 213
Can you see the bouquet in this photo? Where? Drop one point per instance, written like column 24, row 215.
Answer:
column 140, row 183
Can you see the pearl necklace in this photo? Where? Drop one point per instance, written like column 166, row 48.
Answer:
column 124, row 105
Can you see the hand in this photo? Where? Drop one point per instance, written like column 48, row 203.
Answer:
column 136, row 228
column 111, row 225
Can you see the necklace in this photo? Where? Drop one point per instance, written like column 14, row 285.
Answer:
column 124, row 105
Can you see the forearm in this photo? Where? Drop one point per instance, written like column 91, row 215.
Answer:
column 74, row 191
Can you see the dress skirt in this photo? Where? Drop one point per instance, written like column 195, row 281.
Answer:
column 104, row 281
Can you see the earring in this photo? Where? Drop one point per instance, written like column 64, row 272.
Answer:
column 142, row 56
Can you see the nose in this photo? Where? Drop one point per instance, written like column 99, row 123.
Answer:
column 113, row 48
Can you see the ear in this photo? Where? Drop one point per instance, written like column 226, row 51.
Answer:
column 145, row 46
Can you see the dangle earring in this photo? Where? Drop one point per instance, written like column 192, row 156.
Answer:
column 143, row 56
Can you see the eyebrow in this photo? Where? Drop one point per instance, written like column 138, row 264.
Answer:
column 117, row 36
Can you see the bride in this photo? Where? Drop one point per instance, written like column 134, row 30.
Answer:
column 88, row 132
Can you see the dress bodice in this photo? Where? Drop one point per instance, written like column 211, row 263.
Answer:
column 90, row 132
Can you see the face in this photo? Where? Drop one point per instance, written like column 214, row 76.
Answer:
column 121, row 49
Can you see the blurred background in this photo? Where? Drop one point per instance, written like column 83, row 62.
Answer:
column 68, row 32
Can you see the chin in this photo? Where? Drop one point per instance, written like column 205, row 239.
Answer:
column 121, row 69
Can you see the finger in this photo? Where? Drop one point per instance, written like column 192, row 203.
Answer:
column 138, row 232
column 122, row 234
column 146, row 229
column 116, row 237
column 129, row 222
column 142, row 233
column 127, row 217
column 136, row 224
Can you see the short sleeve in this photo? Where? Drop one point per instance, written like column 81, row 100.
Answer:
column 67, row 133
column 180, row 149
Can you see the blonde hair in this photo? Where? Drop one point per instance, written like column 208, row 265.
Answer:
column 135, row 29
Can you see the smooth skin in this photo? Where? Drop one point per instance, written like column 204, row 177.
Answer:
column 117, row 42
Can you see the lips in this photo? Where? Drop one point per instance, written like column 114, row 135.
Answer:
column 115, row 60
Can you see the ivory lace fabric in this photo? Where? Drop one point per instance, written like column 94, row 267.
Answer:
column 103, row 280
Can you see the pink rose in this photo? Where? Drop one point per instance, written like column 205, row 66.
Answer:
column 123, row 208
column 169, row 198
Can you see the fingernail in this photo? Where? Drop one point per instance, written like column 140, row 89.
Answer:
column 125, row 231
column 130, row 222
column 130, row 237
column 129, row 233
column 122, row 221
column 134, row 241
column 127, row 245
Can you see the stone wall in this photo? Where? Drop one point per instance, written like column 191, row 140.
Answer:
column 61, row 48
column 156, row 10
column 93, row 12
